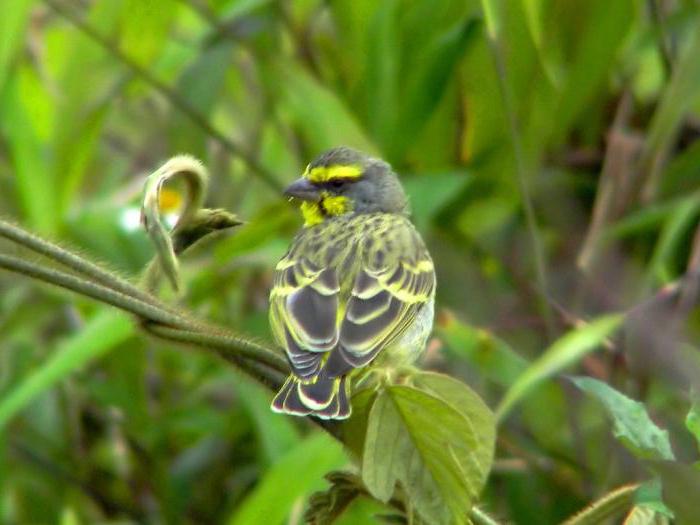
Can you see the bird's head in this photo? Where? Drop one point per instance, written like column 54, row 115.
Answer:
column 343, row 180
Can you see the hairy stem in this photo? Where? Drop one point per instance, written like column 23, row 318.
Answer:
column 73, row 261
column 270, row 376
column 228, row 346
column 250, row 357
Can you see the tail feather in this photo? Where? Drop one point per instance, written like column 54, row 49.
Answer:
column 325, row 397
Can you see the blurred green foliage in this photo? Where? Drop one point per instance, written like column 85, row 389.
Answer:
column 587, row 109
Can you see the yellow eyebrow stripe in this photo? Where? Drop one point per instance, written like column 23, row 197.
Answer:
column 327, row 173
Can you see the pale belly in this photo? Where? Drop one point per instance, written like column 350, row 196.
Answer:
column 409, row 348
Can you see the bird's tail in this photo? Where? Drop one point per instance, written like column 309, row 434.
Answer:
column 323, row 396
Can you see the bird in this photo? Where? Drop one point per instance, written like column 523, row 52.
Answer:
column 356, row 288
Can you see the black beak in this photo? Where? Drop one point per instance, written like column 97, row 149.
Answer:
column 303, row 189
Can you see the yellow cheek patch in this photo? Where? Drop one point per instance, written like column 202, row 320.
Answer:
column 327, row 173
column 336, row 205
column 314, row 212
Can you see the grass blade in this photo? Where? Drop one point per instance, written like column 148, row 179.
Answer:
column 564, row 352
column 101, row 334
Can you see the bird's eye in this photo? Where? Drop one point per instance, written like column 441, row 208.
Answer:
column 337, row 184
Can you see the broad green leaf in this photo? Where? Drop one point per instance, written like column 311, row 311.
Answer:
column 631, row 423
column 100, row 335
column 355, row 428
column 324, row 120
column 564, row 352
column 681, row 486
column 12, row 24
column 436, row 439
column 464, row 400
column 296, row 474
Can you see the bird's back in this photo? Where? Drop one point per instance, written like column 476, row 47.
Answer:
column 347, row 289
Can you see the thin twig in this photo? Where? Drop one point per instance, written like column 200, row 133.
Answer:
column 251, row 365
column 173, row 96
column 96, row 291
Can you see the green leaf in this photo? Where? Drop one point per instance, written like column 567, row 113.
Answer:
column 277, row 435
column 564, row 352
column 296, row 474
column 436, row 438
column 649, row 496
column 604, row 31
column 34, row 188
column 680, row 219
column 200, row 86
column 676, row 101
column 355, row 428
column 692, row 420
column 381, row 81
column 88, row 88
column 631, row 423
column 327, row 506
column 101, row 334
column 681, row 485
column 426, row 84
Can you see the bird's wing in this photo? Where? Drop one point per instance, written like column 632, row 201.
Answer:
column 304, row 305
column 395, row 280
